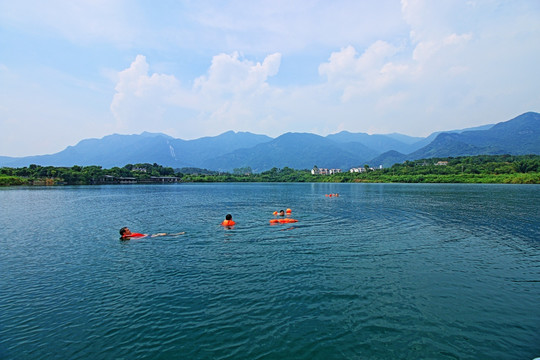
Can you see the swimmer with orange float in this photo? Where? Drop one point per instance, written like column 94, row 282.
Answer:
column 228, row 221
column 126, row 234
column 282, row 213
column 282, row 221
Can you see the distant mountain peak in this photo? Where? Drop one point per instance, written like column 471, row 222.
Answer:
column 150, row 134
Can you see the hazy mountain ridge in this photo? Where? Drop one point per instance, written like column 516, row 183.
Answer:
column 294, row 150
column 379, row 143
column 518, row 136
column 230, row 150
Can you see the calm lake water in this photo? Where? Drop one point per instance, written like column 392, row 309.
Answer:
column 384, row 271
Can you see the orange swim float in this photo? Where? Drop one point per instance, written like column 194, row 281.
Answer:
column 228, row 223
column 288, row 220
column 282, row 221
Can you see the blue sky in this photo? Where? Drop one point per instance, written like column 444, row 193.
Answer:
column 71, row 70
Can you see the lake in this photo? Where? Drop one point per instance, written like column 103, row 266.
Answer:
column 384, row 271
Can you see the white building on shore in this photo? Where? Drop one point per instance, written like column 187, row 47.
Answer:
column 323, row 171
column 357, row 170
column 364, row 169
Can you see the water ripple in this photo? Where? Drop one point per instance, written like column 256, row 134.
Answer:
column 382, row 271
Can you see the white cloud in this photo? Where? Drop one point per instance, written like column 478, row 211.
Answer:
column 231, row 94
column 364, row 74
column 231, row 75
column 425, row 50
column 141, row 100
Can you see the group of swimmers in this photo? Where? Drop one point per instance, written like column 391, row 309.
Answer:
column 126, row 234
column 229, row 222
column 282, row 220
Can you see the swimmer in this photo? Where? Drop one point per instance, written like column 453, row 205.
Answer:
column 228, row 221
column 281, row 213
column 126, row 234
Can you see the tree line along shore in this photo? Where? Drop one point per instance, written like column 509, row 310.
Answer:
column 494, row 169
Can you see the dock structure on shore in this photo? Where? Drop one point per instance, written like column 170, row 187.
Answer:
column 109, row 179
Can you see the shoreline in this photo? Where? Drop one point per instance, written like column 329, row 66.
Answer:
column 482, row 169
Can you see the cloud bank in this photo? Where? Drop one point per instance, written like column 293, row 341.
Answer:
column 445, row 73
column 87, row 69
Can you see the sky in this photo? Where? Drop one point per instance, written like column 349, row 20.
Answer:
column 72, row 70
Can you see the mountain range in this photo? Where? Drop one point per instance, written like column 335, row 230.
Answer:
column 230, row 150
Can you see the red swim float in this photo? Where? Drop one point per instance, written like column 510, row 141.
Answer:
column 133, row 235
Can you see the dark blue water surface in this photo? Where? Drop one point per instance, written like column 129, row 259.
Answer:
column 383, row 271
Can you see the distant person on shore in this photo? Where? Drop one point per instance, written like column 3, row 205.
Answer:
column 228, row 221
column 126, row 234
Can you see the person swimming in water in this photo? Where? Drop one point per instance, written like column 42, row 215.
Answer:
column 228, row 221
column 126, row 234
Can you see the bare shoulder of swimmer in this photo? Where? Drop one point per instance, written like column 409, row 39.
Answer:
column 165, row 234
